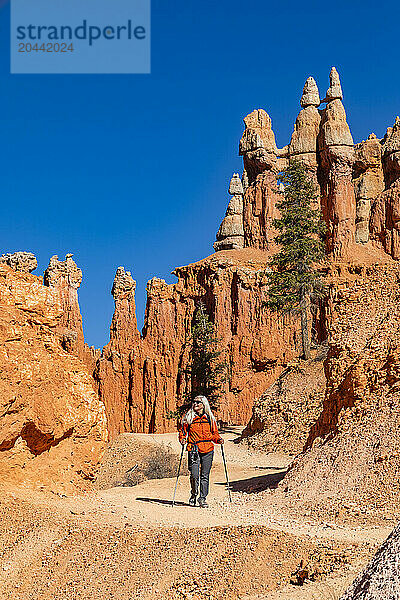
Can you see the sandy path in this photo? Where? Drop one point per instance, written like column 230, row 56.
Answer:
column 249, row 472
column 137, row 528
column 149, row 504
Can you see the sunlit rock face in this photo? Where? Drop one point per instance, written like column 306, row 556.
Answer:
column 141, row 375
column 52, row 423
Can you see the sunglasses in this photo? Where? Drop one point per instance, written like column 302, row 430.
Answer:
column 197, row 402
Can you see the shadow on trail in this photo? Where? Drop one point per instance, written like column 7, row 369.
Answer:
column 161, row 501
column 252, row 485
column 269, row 468
column 227, row 429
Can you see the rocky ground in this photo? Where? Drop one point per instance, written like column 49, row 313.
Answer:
column 339, row 500
column 284, row 414
column 129, row 542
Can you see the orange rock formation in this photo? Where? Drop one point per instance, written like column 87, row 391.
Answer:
column 52, row 425
column 140, row 375
column 352, row 448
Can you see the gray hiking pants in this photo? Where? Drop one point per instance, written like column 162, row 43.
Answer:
column 200, row 469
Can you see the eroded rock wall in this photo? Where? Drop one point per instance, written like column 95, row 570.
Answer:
column 352, row 449
column 145, row 378
column 284, row 414
column 52, row 423
column 141, row 376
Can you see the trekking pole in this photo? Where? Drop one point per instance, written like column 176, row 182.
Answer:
column 226, row 474
column 179, row 470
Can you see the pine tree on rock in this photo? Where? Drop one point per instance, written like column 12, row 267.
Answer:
column 295, row 279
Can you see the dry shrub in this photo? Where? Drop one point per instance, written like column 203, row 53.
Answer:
column 128, row 460
column 159, row 462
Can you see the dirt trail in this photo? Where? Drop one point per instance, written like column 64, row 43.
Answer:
column 249, row 473
column 106, row 544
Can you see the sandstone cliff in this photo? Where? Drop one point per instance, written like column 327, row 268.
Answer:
column 140, row 375
column 52, row 424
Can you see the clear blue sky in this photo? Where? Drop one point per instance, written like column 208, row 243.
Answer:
column 133, row 169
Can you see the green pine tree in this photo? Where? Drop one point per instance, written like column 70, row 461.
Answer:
column 295, row 279
column 207, row 372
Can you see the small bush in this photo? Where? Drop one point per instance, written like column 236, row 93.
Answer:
column 159, row 463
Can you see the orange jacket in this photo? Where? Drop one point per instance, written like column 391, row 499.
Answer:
column 201, row 433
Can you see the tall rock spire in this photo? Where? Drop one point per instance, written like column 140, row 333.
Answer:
column 258, row 146
column 123, row 292
column 303, row 145
column 368, row 183
column 113, row 368
column 335, row 130
column 336, row 149
column 261, row 166
column 391, row 153
column 334, row 92
column 65, row 277
column 310, row 96
column 385, row 223
column 230, row 234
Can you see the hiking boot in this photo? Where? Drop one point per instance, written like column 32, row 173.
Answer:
column 203, row 503
column 192, row 501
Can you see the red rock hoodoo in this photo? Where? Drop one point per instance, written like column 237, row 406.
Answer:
column 53, row 425
column 140, row 375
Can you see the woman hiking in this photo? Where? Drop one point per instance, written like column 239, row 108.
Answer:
column 199, row 430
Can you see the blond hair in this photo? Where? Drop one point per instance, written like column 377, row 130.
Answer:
column 190, row 415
